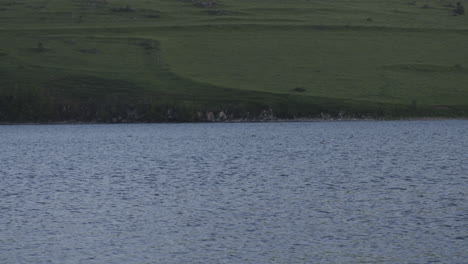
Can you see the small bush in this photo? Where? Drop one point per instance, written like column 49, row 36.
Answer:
column 39, row 48
column 125, row 9
column 458, row 67
column 459, row 10
column 216, row 12
column 88, row 51
column 299, row 89
column 146, row 45
column 204, row 4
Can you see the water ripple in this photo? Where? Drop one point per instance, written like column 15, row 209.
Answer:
column 350, row 192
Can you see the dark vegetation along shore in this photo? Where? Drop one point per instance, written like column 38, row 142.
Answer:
column 250, row 60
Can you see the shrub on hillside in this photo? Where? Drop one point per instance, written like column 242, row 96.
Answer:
column 127, row 8
column 204, row 3
column 459, row 10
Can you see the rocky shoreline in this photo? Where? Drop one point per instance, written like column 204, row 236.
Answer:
column 240, row 120
column 114, row 113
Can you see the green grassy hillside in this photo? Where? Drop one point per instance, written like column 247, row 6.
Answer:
column 184, row 60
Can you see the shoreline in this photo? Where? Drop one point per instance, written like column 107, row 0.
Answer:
column 240, row 121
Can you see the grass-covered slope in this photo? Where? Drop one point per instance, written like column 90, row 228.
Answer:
column 184, row 60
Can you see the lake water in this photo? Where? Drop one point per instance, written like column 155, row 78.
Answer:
column 344, row 192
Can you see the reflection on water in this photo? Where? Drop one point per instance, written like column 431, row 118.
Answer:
column 348, row 192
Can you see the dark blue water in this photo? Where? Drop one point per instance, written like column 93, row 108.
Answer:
column 346, row 192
